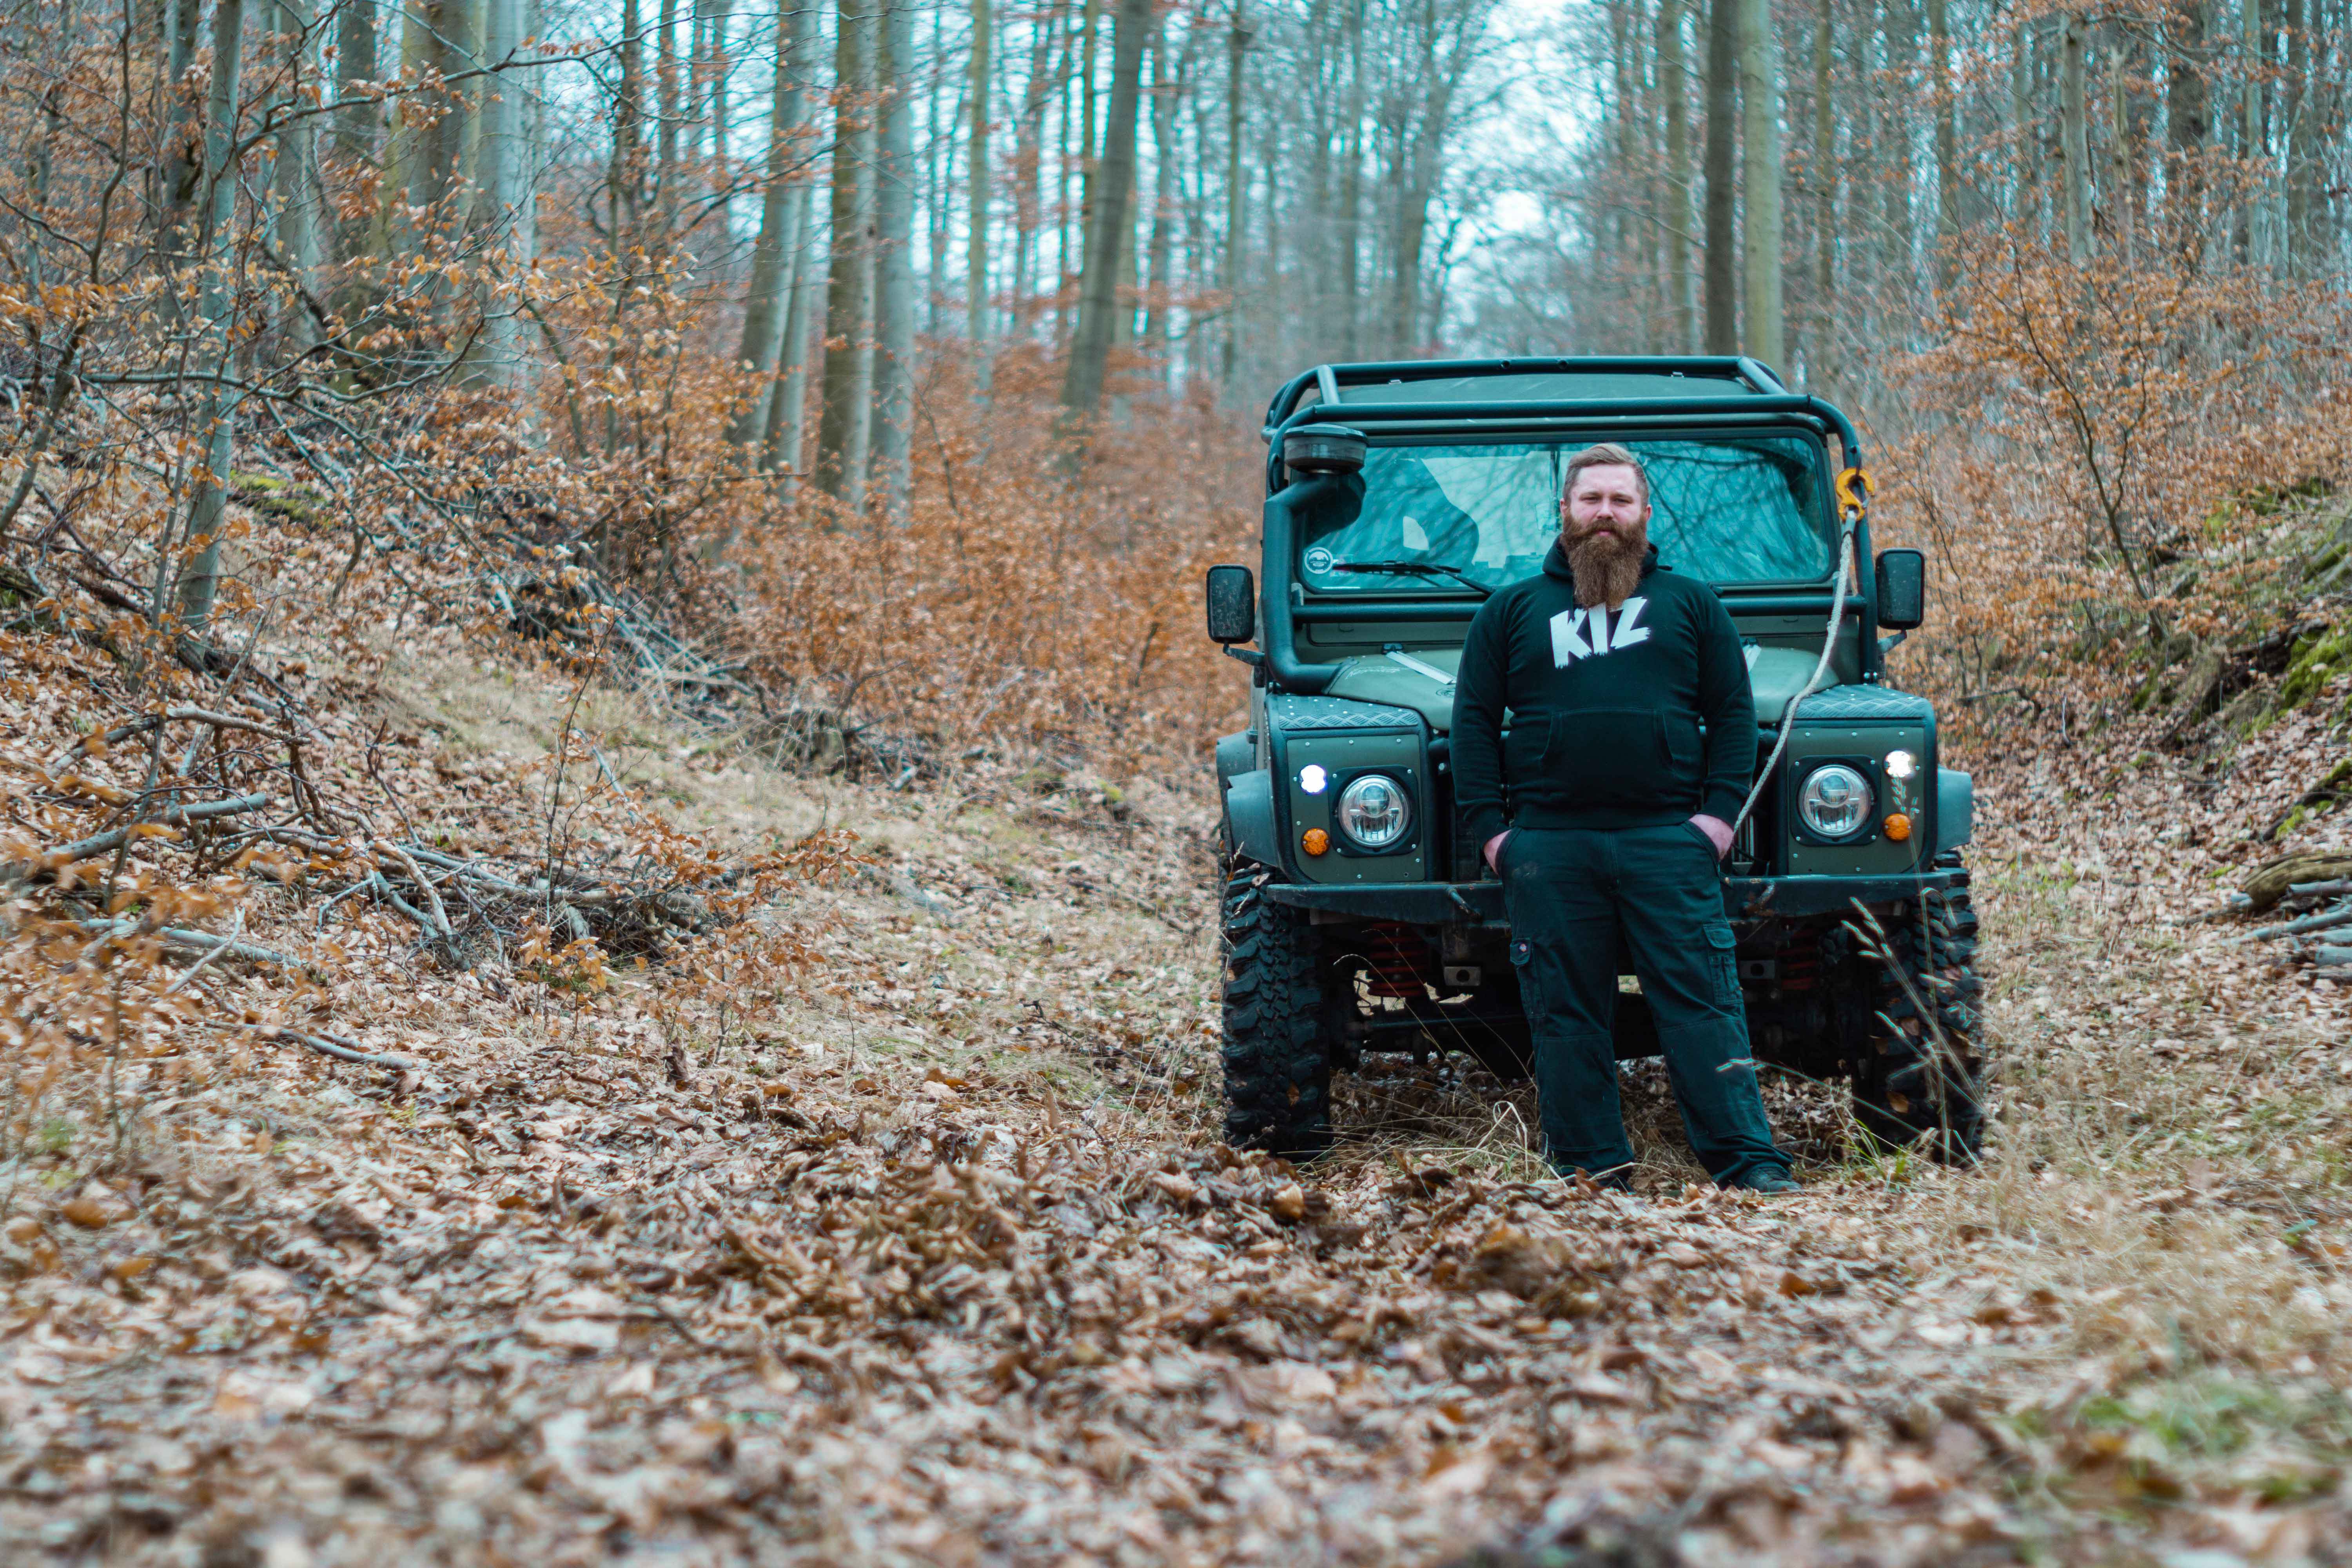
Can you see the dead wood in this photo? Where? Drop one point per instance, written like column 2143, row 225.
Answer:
column 199, row 942
column 2338, row 916
column 115, row 838
column 335, row 1045
column 2276, row 878
column 178, row 714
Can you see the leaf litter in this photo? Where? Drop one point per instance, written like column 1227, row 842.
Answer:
column 873, row 1213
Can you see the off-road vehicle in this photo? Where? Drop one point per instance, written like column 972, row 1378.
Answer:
column 1358, row 917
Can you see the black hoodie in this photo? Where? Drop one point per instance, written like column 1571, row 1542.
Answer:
column 1636, row 718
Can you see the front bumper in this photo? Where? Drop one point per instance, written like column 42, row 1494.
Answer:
column 1481, row 903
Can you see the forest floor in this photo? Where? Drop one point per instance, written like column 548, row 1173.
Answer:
column 890, row 1223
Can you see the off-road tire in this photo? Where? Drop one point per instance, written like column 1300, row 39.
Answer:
column 1277, row 1065
column 1909, row 1084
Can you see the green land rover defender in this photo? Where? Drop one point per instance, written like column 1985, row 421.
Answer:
column 1357, row 916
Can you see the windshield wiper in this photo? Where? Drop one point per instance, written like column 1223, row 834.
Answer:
column 1417, row 569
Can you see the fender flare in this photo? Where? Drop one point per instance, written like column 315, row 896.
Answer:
column 1956, row 809
column 1249, row 811
column 1233, row 757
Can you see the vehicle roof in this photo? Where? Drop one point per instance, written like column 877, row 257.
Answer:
column 1560, row 379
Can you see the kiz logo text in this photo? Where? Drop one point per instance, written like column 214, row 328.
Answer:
column 1584, row 634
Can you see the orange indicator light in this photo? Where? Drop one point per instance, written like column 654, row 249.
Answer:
column 1898, row 827
column 1314, row 841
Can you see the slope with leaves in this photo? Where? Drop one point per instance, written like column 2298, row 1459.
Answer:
column 879, row 1219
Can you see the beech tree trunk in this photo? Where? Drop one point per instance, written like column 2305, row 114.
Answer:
column 1082, row 383
column 1821, row 357
column 942, row 128
column 358, row 124
column 2075, row 137
column 1350, row 236
column 1229, row 278
column 776, row 255
column 2025, row 130
column 624, row 180
column 1090, row 29
column 2254, row 144
column 2123, row 215
column 504, row 161
column 978, row 177
column 894, row 309
column 1722, row 196
column 1760, row 97
column 671, row 110
column 447, row 44
column 295, row 188
column 843, row 432
column 1948, row 136
column 216, row 300
column 181, row 167
column 2302, row 166
column 2189, row 126
column 779, row 453
column 1681, row 277
column 1895, row 122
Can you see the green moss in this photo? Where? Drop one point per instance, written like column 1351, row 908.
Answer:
column 2268, row 500
column 2318, row 659
column 262, row 493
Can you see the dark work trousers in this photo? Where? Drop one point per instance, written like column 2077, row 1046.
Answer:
column 1573, row 896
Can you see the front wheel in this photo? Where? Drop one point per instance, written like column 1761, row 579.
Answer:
column 1922, row 1075
column 1277, row 1065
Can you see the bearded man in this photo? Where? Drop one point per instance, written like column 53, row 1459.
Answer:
column 1606, row 811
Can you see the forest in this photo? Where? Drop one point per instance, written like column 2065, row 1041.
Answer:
column 610, row 856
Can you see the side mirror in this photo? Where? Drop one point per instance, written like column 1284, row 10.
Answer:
column 1901, row 589
column 1233, row 605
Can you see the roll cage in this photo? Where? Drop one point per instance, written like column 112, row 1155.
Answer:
column 1752, row 395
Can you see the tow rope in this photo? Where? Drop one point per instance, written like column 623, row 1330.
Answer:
column 1854, row 488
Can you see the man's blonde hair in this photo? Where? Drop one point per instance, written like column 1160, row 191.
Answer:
column 1607, row 454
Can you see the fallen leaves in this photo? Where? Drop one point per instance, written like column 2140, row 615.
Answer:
column 93, row 1213
column 908, row 1212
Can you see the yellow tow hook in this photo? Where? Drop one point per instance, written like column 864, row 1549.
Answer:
column 1854, row 488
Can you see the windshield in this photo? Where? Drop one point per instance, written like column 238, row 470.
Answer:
column 1731, row 509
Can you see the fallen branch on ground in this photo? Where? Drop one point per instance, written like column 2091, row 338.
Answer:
column 2325, row 920
column 334, row 1046
column 200, row 942
column 89, row 745
column 2276, row 878
column 178, row 815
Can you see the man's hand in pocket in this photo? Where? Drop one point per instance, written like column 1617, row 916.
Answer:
column 1717, row 831
column 1494, row 850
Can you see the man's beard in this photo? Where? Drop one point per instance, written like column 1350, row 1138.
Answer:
column 1608, row 565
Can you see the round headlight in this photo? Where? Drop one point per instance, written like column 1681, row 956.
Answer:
column 1835, row 801
column 1375, row 811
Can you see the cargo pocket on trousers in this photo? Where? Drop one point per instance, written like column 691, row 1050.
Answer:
column 1523, row 967
column 1723, row 961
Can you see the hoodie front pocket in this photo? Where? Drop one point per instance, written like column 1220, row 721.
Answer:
column 1525, row 747
column 1613, row 757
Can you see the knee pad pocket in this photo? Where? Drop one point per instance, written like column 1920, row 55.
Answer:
column 1723, row 968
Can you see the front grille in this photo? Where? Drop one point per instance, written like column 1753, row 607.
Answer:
column 1751, row 847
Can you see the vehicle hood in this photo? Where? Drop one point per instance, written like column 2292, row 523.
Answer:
column 1775, row 674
